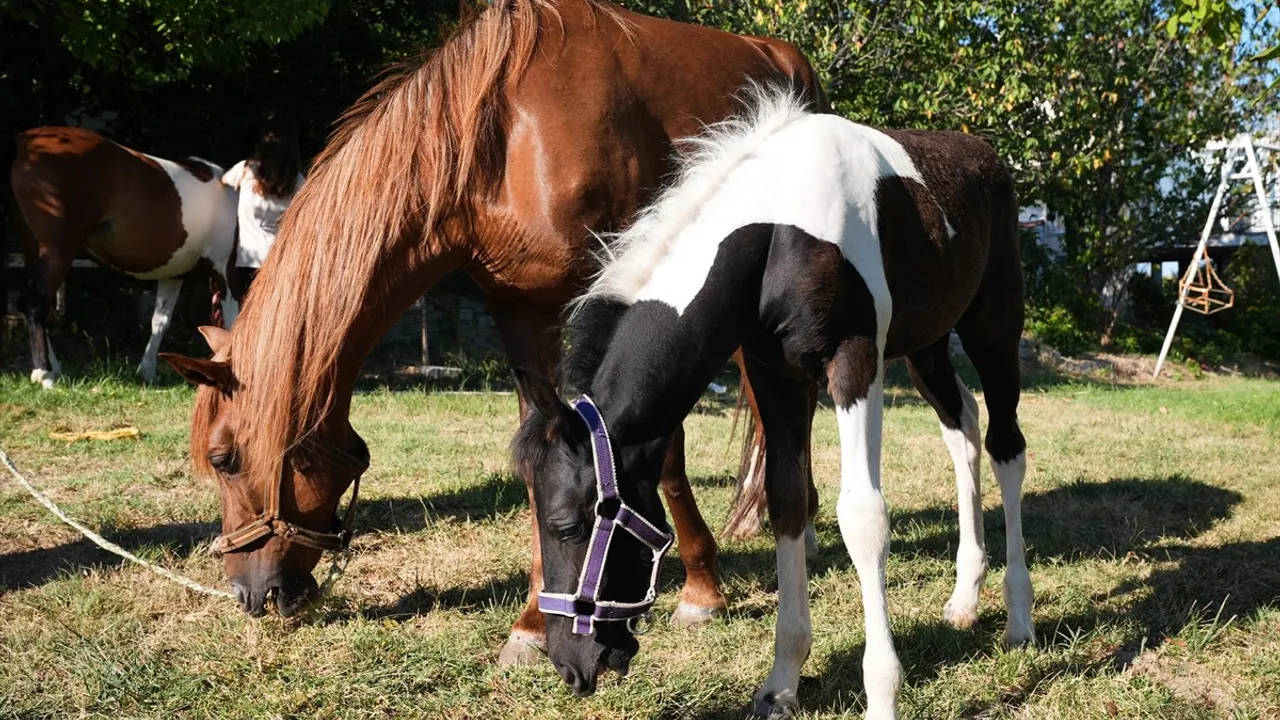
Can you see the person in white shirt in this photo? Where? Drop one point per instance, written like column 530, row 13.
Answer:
column 267, row 182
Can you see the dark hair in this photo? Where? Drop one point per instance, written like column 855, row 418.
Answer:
column 275, row 158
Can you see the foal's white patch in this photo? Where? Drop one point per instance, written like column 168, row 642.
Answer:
column 208, row 212
column 1017, row 581
column 965, row 446
column 793, row 634
column 864, row 524
column 779, row 165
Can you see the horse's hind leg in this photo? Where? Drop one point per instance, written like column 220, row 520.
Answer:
column 784, row 414
column 46, row 271
column 935, row 378
column 992, row 346
column 166, row 298
column 701, row 600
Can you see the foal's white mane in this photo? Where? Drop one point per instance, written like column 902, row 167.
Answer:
column 704, row 164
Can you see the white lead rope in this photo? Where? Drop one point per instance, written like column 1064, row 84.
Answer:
column 335, row 570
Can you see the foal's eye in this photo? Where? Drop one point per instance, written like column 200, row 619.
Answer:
column 569, row 533
column 227, row 463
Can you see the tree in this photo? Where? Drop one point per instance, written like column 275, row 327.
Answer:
column 1095, row 109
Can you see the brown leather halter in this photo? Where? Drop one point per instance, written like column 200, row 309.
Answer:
column 270, row 523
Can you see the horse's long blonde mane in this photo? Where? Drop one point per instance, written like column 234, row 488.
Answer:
column 413, row 152
column 704, row 163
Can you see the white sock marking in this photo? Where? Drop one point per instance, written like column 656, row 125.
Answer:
column 864, row 523
column 1018, row 596
column 965, row 446
column 793, row 635
column 166, row 298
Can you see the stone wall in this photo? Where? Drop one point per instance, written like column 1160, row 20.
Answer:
column 457, row 324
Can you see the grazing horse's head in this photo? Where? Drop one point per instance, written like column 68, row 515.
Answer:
column 554, row 445
column 267, row 553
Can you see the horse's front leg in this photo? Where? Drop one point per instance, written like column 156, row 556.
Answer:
column 701, row 600
column 856, row 377
column 784, row 414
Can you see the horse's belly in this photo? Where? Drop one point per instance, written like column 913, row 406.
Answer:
column 150, row 251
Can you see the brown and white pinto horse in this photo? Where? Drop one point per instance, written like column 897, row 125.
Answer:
column 145, row 216
column 537, row 123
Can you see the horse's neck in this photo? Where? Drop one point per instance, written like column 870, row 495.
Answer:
column 661, row 360
column 400, row 280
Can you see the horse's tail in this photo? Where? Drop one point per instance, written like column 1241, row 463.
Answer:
column 746, row 513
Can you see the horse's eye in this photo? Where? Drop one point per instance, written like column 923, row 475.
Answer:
column 569, row 533
column 227, row 463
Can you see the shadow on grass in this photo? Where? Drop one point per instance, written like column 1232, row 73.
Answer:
column 496, row 495
column 30, row 568
column 1082, row 519
column 1139, row 519
column 509, row 590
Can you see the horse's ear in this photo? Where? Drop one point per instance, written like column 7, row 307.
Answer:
column 214, row 373
column 218, row 338
column 541, row 394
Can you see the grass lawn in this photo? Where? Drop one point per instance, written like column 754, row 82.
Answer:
column 1152, row 521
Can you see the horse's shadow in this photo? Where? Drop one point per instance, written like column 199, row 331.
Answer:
column 28, row 568
column 1129, row 518
column 496, row 495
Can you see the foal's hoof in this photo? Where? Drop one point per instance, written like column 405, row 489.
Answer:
column 522, row 649
column 960, row 616
column 773, row 706
column 44, row 378
column 688, row 616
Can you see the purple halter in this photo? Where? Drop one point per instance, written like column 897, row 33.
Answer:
column 612, row 513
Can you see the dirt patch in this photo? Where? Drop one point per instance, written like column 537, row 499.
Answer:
column 1188, row 681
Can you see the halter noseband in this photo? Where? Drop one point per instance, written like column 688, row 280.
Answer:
column 612, row 513
column 270, row 522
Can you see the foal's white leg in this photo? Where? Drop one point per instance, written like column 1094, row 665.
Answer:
column 965, row 446
column 864, row 524
column 1017, row 581
column 166, row 298
column 793, row 635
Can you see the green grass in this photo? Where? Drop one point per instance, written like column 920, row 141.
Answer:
column 1151, row 518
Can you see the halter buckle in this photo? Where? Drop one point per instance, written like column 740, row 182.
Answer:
column 640, row 624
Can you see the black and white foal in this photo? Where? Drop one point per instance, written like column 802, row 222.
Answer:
column 820, row 247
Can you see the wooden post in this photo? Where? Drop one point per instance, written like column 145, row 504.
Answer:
column 426, row 354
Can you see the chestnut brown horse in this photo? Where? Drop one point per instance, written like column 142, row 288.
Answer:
column 145, row 216
column 536, row 124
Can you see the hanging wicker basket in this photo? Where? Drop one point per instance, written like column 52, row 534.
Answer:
column 1203, row 291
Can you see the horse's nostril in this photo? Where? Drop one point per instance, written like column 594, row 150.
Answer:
column 242, row 595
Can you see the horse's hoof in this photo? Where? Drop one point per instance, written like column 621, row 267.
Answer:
column 1018, row 635
column 44, row 378
column 148, row 374
column 522, row 649
column 774, row 705
column 960, row 616
column 688, row 616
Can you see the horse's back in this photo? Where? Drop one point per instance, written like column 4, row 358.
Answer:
column 141, row 215
column 596, row 114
